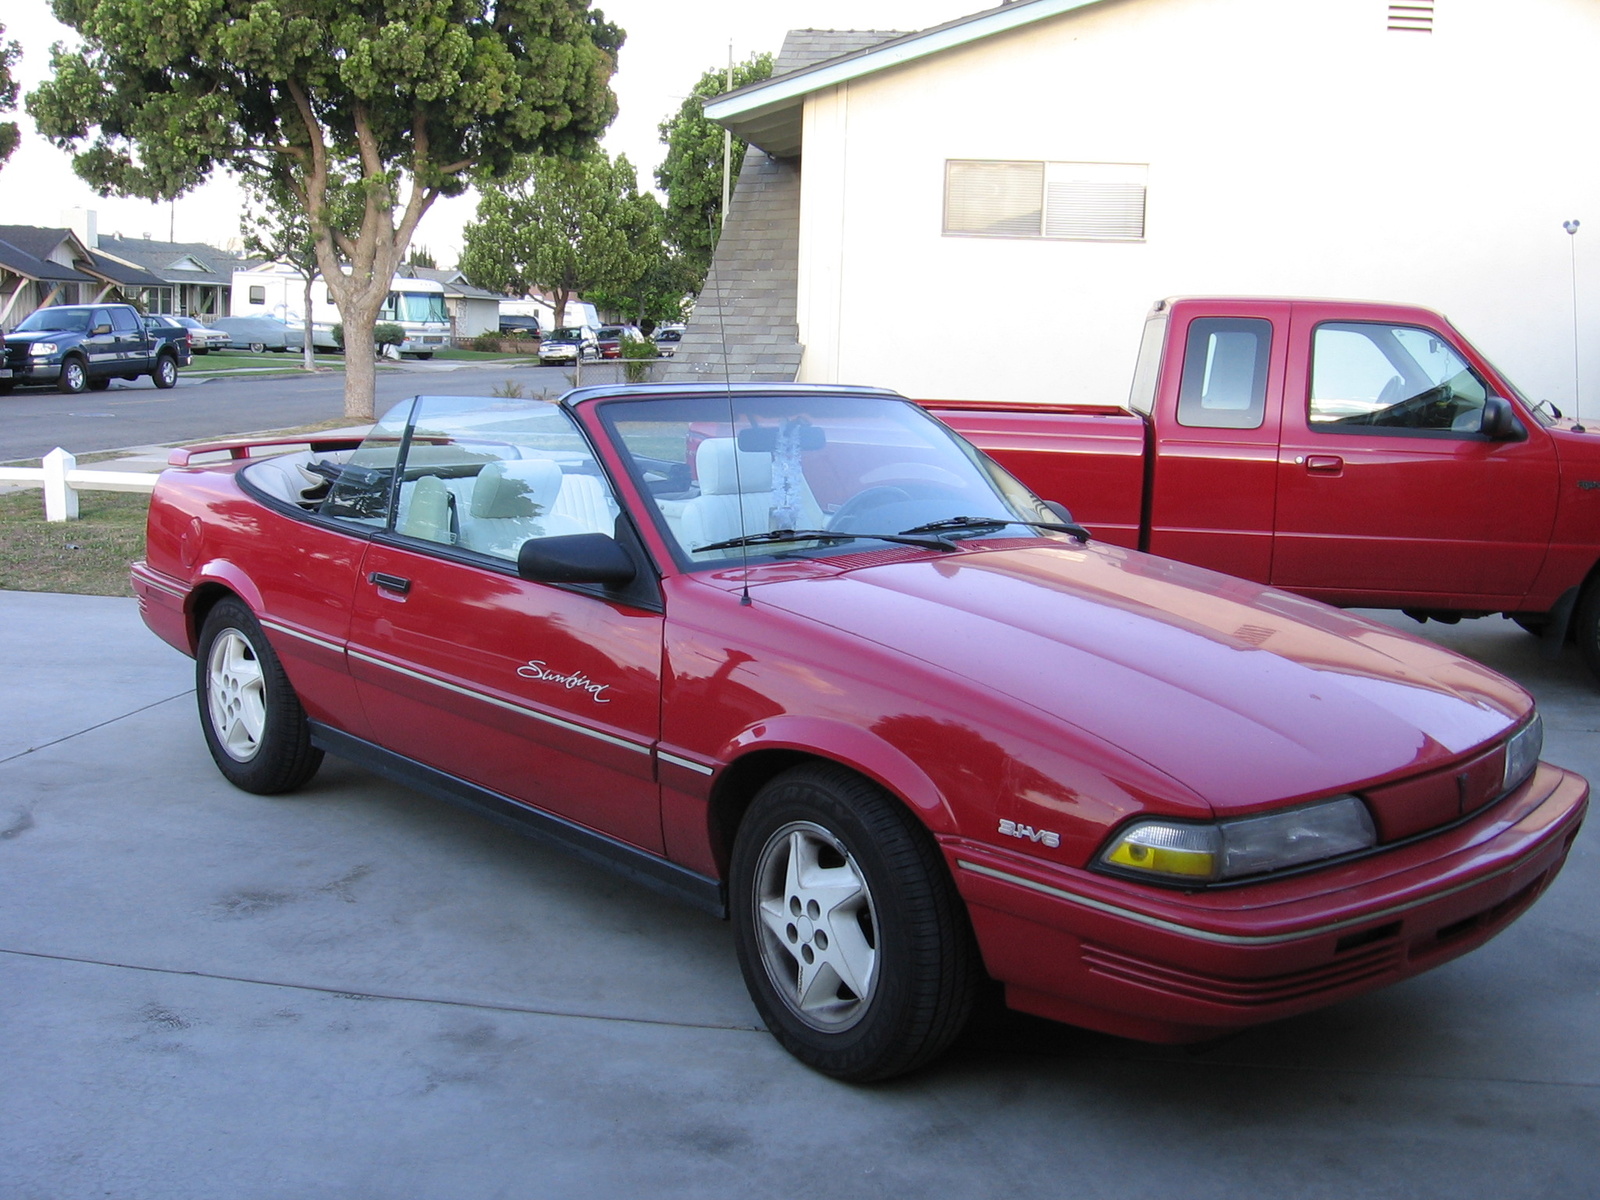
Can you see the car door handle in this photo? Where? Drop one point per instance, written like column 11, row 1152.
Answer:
column 393, row 583
column 1324, row 464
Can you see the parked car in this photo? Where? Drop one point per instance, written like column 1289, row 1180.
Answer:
column 801, row 656
column 202, row 338
column 77, row 346
column 515, row 326
column 666, row 338
column 610, row 339
column 567, row 346
column 259, row 334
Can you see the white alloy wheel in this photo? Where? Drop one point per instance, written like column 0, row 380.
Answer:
column 236, row 694
column 818, row 928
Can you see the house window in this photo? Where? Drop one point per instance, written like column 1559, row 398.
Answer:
column 1087, row 201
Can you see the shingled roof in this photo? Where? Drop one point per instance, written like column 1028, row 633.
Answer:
column 745, row 324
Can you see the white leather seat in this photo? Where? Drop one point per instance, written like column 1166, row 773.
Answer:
column 584, row 502
column 512, row 502
column 735, row 495
column 426, row 513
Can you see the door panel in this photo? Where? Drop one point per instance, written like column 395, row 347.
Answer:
column 551, row 697
column 1385, row 485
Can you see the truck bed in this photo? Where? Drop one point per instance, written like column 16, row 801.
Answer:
column 1089, row 457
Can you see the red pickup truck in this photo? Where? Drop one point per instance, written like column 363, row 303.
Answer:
column 1361, row 454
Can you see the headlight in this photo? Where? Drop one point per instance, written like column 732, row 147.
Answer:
column 1179, row 851
column 43, row 349
column 1522, row 753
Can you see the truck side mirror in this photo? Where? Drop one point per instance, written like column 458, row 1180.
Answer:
column 1500, row 421
column 99, row 329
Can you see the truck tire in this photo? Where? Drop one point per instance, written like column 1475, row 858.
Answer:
column 99, row 385
column 74, row 375
column 166, row 373
column 1586, row 625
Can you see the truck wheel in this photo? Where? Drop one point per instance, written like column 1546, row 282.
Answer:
column 166, row 373
column 74, row 376
column 254, row 725
column 851, row 938
column 99, row 385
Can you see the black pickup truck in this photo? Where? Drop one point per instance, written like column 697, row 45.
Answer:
column 78, row 346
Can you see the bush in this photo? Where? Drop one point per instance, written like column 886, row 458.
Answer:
column 383, row 334
column 633, row 348
column 489, row 343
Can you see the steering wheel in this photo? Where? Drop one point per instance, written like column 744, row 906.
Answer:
column 864, row 502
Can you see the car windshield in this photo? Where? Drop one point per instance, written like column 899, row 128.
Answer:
column 723, row 467
column 564, row 335
column 669, row 335
column 61, row 320
column 610, row 333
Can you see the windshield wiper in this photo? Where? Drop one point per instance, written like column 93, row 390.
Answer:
column 827, row 535
column 952, row 524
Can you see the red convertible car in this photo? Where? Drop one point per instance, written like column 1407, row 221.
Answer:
column 804, row 657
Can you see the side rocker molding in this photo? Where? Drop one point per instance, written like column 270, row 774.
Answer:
column 689, row 887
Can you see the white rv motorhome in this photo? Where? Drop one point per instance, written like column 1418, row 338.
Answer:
column 276, row 290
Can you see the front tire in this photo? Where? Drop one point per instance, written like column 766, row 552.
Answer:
column 74, row 376
column 98, row 385
column 254, row 726
column 851, row 938
column 166, row 373
column 258, row 347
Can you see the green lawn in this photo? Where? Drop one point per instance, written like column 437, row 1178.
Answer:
column 89, row 556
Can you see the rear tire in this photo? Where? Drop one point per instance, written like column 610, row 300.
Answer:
column 850, row 935
column 166, row 373
column 253, row 723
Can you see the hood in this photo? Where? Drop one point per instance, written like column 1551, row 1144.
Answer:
column 1245, row 695
column 41, row 335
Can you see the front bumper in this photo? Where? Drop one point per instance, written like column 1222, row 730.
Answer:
column 1172, row 966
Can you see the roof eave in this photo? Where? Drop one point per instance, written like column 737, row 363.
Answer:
column 769, row 114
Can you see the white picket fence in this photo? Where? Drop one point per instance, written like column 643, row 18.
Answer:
column 62, row 481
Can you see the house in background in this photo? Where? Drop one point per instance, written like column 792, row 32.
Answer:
column 1083, row 158
column 53, row 266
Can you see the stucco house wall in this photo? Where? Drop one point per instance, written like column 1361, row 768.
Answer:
column 1292, row 148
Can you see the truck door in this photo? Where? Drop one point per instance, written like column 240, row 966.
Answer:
column 1210, row 491
column 1387, row 491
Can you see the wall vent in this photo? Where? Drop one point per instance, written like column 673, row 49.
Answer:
column 1414, row 17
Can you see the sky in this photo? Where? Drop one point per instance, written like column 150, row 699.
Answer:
column 670, row 44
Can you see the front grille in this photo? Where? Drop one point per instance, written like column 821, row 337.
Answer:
column 1243, row 993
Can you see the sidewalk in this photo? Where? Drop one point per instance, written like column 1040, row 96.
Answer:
column 356, row 991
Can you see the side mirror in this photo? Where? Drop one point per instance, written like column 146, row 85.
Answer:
column 575, row 558
column 1060, row 511
column 1500, row 421
column 99, row 329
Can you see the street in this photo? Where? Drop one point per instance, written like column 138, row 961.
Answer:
column 34, row 421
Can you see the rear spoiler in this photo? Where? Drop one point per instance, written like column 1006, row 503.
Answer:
column 238, row 448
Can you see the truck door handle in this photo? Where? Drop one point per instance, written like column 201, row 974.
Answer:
column 1324, row 464
column 393, row 583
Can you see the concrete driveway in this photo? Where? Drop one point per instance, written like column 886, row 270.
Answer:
column 359, row 992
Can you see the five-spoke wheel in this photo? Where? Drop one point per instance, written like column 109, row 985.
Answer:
column 853, row 943
column 254, row 726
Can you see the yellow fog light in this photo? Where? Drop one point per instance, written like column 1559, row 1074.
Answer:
column 1170, row 849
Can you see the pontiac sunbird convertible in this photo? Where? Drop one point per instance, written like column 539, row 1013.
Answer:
column 803, row 657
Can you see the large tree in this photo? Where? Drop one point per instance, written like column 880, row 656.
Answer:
column 408, row 101
column 10, row 52
column 691, row 172
column 566, row 226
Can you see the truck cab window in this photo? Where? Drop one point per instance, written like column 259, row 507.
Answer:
column 1225, row 373
column 1392, row 379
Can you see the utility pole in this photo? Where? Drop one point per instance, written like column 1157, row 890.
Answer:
column 1577, row 406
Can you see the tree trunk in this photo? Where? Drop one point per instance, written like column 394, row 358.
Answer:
column 360, row 316
column 309, row 350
